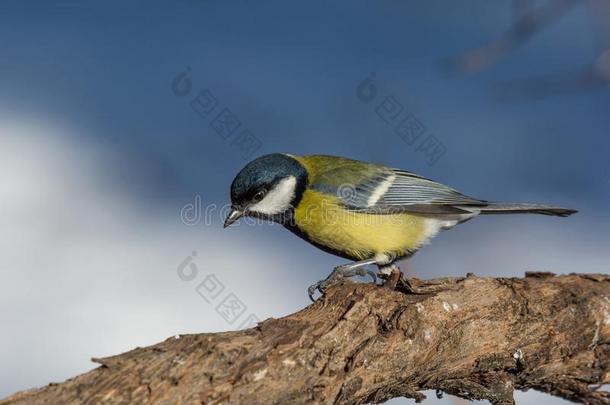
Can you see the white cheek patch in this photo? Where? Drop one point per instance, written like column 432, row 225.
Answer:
column 278, row 199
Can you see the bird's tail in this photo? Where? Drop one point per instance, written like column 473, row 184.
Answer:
column 501, row 208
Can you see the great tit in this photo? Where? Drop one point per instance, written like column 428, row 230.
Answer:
column 360, row 211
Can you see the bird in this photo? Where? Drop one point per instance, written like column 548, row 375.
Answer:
column 367, row 213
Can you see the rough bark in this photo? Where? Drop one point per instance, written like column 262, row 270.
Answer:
column 477, row 338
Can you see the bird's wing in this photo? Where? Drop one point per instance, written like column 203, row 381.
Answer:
column 370, row 188
column 408, row 192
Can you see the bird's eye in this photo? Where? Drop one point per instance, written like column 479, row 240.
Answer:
column 259, row 196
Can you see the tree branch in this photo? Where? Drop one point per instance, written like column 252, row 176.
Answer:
column 477, row 338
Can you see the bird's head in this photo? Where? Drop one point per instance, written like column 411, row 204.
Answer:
column 268, row 187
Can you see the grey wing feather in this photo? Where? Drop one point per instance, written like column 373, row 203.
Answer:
column 407, row 192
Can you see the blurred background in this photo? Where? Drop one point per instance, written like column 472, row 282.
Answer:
column 122, row 125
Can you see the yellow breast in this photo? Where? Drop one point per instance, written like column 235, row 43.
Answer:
column 358, row 235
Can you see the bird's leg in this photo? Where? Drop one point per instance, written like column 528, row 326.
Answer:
column 391, row 273
column 340, row 272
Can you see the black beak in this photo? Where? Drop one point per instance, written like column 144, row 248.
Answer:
column 233, row 216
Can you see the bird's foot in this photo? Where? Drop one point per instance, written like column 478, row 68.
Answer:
column 339, row 273
column 391, row 274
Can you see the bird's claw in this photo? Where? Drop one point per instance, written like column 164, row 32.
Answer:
column 339, row 273
column 312, row 289
column 373, row 275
